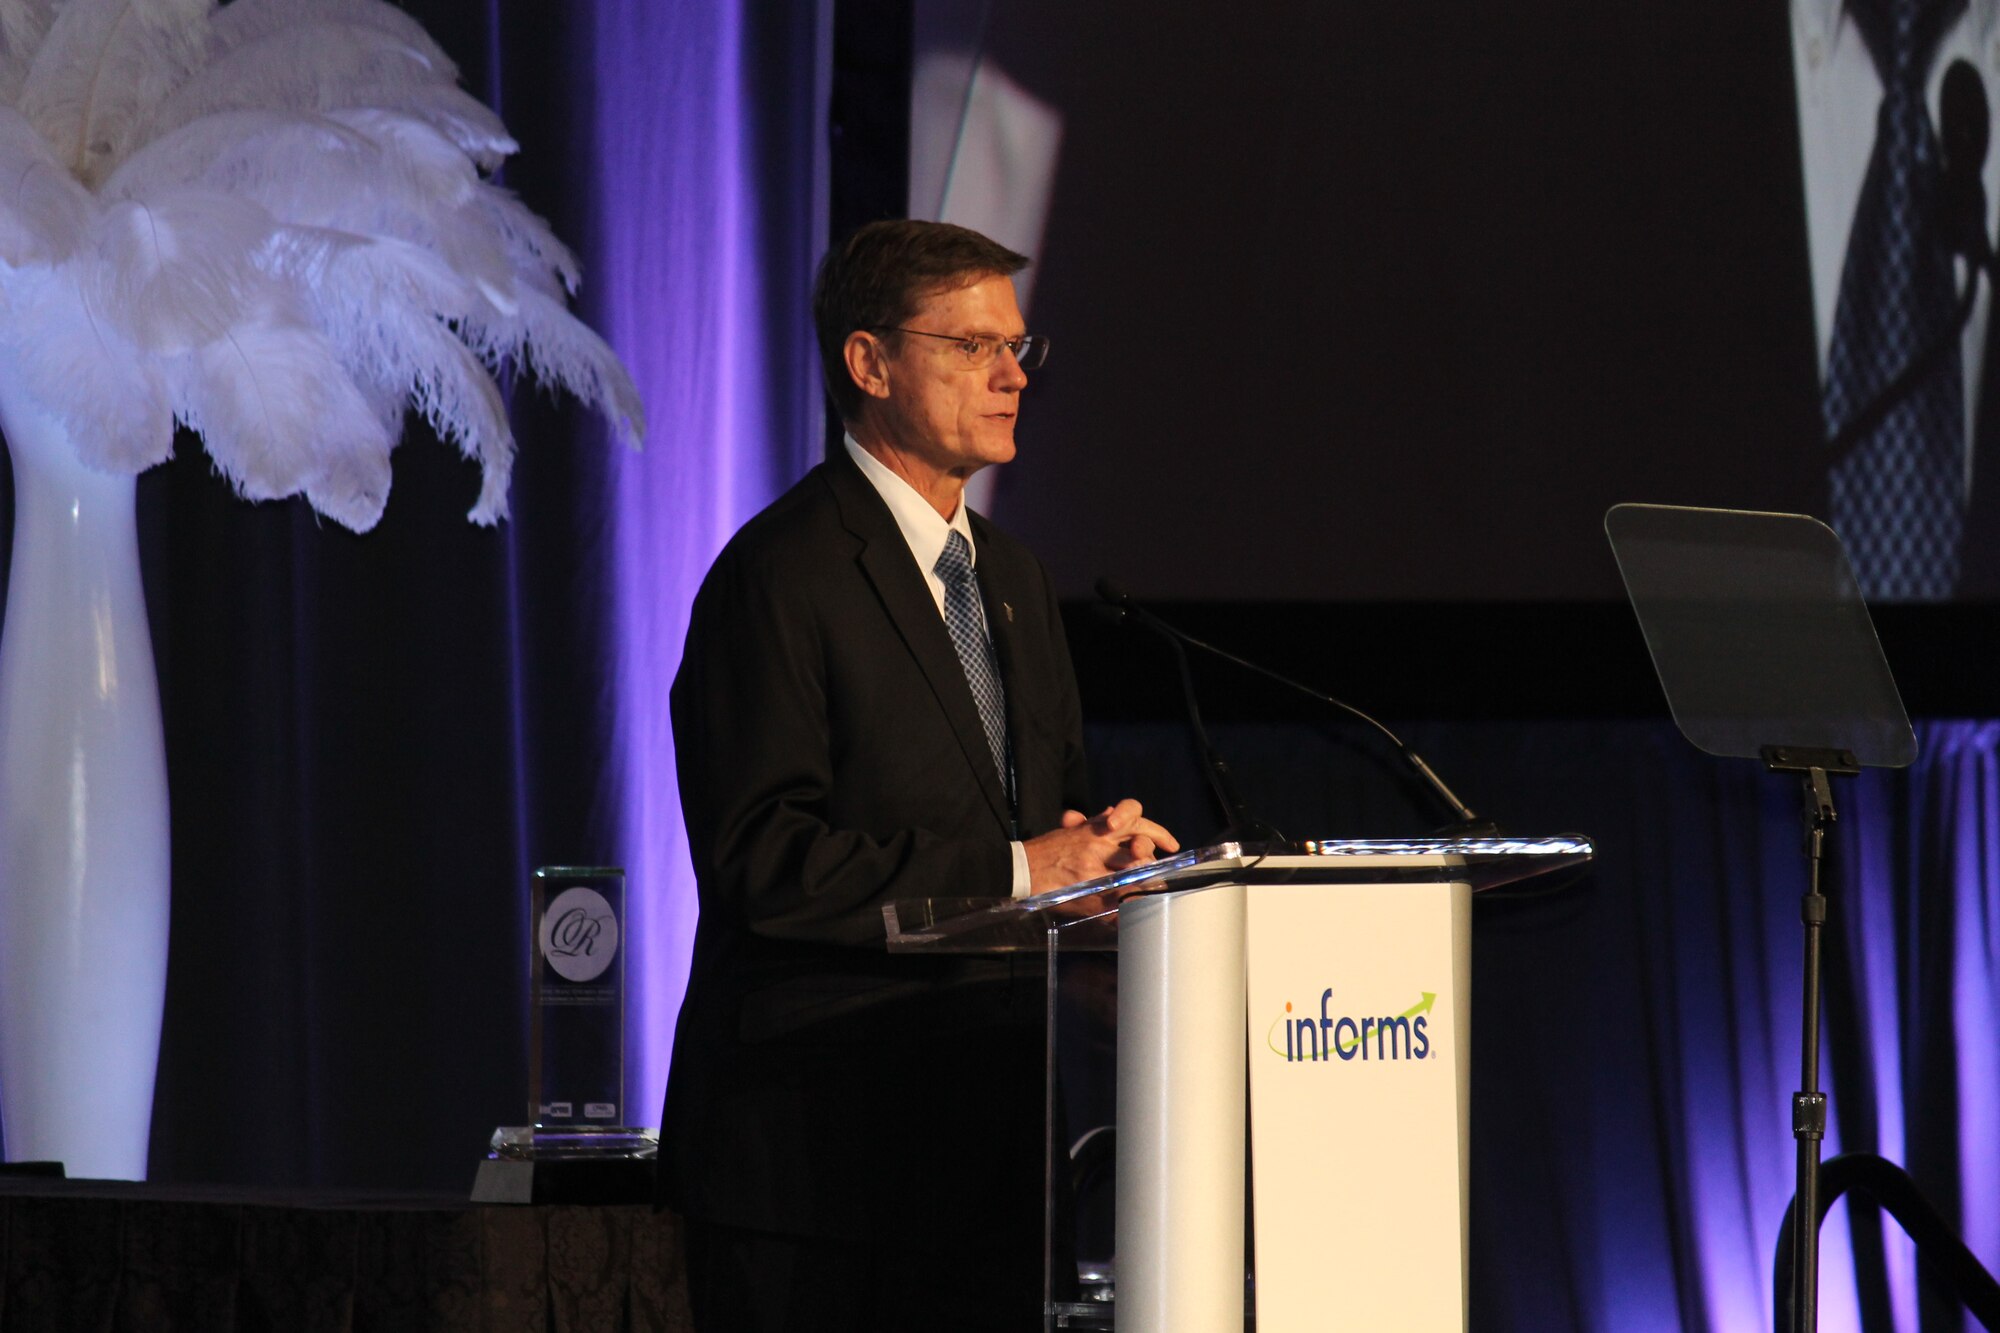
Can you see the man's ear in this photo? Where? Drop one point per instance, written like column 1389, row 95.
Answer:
column 867, row 363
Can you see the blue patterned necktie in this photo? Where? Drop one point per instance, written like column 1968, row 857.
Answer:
column 975, row 649
column 1897, row 499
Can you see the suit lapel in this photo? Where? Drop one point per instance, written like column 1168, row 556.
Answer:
column 885, row 560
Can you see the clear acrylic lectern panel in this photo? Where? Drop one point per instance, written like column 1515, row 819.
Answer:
column 1153, row 977
column 1086, row 914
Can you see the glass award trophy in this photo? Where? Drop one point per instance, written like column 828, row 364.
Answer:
column 578, row 1133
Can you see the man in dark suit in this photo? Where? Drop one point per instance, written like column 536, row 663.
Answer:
column 876, row 704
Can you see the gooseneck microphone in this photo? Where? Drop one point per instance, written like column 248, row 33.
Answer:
column 1243, row 826
column 1964, row 131
column 1467, row 824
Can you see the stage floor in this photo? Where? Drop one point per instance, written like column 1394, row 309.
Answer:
column 111, row 1255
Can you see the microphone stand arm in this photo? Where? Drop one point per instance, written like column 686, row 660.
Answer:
column 1468, row 823
column 1243, row 825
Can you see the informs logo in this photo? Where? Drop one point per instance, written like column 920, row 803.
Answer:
column 1404, row 1036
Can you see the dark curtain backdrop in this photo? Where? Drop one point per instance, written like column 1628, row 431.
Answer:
column 372, row 740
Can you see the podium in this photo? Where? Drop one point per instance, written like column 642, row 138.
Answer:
column 1293, row 1031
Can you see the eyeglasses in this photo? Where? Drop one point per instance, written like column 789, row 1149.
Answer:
column 979, row 349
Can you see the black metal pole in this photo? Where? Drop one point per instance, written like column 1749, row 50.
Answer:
column 1809, row 1103
column 1817, row 766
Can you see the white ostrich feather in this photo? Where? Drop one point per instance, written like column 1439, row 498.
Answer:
column 422, row 160
column 43, row 211
column 102, row 65
column 351, row 275
column 372, row 173
column 324, row 66
column 179, row 270
column 280, row 418
column 468, row 122
column 228, row 148
column 387, row 321
column 385, row 306
column 247, row 21
column 462, row 404
column 558, row 350
column 76, row 364
column 270, row 220
column 530, row 243
column 409, row 218
column 23, row 25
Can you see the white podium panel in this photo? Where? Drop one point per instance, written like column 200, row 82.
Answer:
column 1180, row 1112
column 1359, row 1043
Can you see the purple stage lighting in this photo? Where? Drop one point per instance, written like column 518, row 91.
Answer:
column 707, row 219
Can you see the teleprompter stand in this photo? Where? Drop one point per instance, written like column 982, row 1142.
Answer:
column 1765, row 651
column 1815, row 766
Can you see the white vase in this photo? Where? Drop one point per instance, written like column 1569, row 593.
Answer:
column 83, row 814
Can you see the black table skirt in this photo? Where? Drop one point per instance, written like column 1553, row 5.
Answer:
column 99, row 1255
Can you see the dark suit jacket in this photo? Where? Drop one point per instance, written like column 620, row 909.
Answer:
column 831, row 760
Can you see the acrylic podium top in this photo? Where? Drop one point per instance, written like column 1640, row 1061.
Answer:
column 1085, row 915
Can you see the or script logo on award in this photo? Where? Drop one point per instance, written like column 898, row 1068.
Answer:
column 579, row 934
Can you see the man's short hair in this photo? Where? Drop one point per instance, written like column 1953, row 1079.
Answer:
column 878, row 277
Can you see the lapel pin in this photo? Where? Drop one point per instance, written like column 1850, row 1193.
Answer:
column 1008, row 608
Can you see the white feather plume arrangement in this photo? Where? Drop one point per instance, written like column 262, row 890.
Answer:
column 273, row 222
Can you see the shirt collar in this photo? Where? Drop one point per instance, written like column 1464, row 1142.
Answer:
column 1819, row 18
column 923, row 529
column 1827, row 19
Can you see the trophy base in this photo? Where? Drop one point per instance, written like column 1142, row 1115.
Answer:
column 573, row 1164
column 540, row 1143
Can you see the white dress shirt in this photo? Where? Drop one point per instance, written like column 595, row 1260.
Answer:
column 1839, row 96
column 926, row 532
